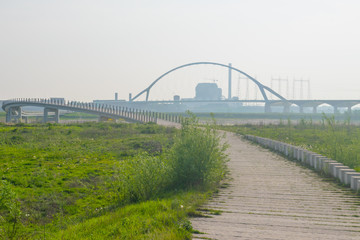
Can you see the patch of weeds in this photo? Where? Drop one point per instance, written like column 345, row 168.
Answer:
column 211, row 211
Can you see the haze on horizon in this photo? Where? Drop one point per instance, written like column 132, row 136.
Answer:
column 85, row 50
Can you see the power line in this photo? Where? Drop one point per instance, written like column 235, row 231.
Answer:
column 280, row 81
column 247, row 86
column 301, row 82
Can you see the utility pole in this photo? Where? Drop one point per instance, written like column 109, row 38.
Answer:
column 280, row 80
column 238, row 87
column 247, row 86
column 229, row 86
column 301, row 81
column 247, row 89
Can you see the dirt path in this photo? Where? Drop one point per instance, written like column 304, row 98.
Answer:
column 273, row 198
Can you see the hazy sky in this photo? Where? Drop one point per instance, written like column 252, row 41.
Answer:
column 85, row 50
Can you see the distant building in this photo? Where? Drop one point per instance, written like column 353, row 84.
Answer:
column 208, row 91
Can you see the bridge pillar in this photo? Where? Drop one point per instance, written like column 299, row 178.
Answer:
column 14, row 113
column 55, row 118
column 267, row 108
column 315, row 109
column 301, row 110
column 287, row 108
column 349, row 109
column 8, row 116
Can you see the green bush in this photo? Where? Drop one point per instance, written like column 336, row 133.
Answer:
column 197, row 157
column 142, row 177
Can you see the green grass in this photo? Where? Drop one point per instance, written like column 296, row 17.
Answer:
column 105, row 180
column 337, row 140
column 278, row 116
column 155, row 219
column 67, row 171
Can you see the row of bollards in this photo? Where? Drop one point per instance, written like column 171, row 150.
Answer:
column 344, row 174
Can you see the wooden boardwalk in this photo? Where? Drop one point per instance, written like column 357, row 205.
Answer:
column 270, row 197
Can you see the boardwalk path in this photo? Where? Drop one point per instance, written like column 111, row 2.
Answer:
column 273, row 198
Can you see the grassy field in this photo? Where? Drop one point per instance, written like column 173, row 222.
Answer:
column 2, row 116
column 334, row 139
column 104, row 180
column 274, row 118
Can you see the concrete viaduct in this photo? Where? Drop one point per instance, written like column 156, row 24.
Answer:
column 336, row 104
column 14, row 112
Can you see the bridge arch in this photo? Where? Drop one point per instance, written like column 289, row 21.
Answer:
column 261, row 87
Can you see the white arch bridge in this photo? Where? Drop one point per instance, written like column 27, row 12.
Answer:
column 264, row 90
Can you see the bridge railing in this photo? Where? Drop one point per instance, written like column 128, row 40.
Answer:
column 108, row 110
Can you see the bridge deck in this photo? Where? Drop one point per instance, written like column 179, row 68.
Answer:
column 273, row 198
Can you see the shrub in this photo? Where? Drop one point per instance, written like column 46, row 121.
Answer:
column 197, row 157
column 142, row 177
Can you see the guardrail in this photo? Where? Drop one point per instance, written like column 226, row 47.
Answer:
column 319, row 163
column 13, row 109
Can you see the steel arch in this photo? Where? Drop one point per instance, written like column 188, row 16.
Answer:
column 261, row 87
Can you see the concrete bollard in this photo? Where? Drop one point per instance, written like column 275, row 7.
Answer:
column 349, row 175
column 299, row 153
column 282, row 148
column 342, row 172
column 328, row 165
column 298, row 150
column 320, row 163
column 286, row 150
column 304, row 156
column 291, row 151
column 333, row 167
column 319, row 159
column 323, row 163
column 278, row 146
column 337, row 169
column 316, row 160
column 307, row 157
column 295, row 152
column 355, row 183
column 312, row 159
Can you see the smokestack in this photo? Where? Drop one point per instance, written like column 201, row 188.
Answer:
column 229, row 87
column 116, row 96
